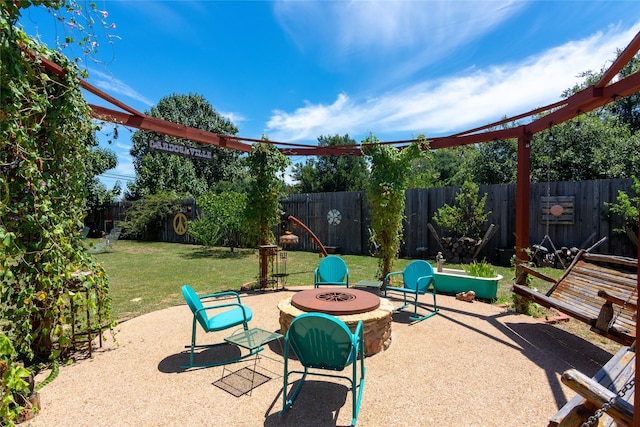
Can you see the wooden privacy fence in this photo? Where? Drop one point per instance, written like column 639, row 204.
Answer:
column 582, row 222
column 341, row 220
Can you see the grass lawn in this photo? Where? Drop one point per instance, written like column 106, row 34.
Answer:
column 147, row 276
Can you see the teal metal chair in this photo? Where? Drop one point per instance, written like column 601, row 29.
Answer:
column 229, row 313
column 418, row 280
column 332, row 271
column 321, row 341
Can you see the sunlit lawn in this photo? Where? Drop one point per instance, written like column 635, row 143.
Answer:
column 147, row 276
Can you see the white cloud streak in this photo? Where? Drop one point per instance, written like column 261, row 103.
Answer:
column 451, row 104
column 351, row 26
column 114, row 86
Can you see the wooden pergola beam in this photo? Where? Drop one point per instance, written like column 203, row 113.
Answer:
column 165, row 127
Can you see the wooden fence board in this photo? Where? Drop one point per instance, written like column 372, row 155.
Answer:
column 352, row 234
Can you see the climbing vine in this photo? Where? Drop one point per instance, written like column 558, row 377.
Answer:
column 266, row 187
column 385, row 193
column 44, row 126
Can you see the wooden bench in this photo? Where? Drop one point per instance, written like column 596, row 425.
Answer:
column 599, row 290
column 594, row 392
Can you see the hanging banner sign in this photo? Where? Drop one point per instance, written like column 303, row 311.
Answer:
column 181, row 150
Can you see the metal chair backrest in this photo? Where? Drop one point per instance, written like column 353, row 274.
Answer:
column 418, row 275
column 194, row 303
column 322, row 341
column 332, row 269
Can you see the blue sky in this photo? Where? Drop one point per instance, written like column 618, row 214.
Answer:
column 295, row 70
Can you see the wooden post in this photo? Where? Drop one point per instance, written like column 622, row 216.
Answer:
column 636, row 397
column 523, row 193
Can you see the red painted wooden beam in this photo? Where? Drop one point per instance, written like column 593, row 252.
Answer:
column 145, row 122
column 625, row 56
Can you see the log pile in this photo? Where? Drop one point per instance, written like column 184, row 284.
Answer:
column 459, row 250
column 564, row 256
column 561, row 258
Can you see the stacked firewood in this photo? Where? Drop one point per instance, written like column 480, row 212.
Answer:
column 565, row 256
column 561, row 258
column 458, row 250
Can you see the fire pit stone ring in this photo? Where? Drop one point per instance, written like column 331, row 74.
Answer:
column 350, row 306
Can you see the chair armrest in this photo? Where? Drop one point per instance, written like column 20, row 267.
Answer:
column 359, row 333
column 221, row 294
column 429, row 280
column 393, row 273
column 526, row 270
column 213, row 307
column 615, row 300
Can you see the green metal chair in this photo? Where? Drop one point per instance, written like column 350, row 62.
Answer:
column 321, row 341
column 418, row 280
column 332, row 271
column 230, row 313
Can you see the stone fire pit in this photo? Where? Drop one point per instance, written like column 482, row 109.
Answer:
column 348, row 305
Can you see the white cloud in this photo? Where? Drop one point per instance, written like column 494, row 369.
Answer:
column 374, row 29
column 235, row 118
column 112, row 86
column 447, row 105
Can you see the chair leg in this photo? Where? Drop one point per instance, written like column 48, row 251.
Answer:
column 435, row 311
column 286, row 403
column 358, row 387
column 193, row 346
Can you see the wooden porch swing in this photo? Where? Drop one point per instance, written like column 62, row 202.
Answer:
column 599, row 290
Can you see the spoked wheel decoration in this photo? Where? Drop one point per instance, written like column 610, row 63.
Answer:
column 336, row 296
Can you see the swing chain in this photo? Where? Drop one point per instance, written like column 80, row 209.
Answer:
column 620, row 394
column 614, row 318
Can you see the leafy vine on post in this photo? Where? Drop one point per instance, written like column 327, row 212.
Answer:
column 266, row 165
column 385, row 193
column 45, row 126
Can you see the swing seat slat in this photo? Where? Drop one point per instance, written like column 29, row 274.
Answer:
column 599, row 290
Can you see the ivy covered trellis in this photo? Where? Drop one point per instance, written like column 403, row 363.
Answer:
column 44, row 128
column 385, row 194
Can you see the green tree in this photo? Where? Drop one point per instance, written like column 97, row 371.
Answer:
column 220, row 220
column 627, row 109
column 491, row 163
column 440, row 169
column 263, row 211
column 385, row 194
column 593, row 146
column 157, row 171
column 328, row 174
column 98, row 162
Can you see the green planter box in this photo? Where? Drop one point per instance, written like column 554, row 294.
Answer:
column 451, row 281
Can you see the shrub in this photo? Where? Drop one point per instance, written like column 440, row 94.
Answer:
column 627, row 207
column 146, row 217
column 221, row 218
column 466, row 217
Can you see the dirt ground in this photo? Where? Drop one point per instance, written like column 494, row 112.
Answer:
column 473, row 364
